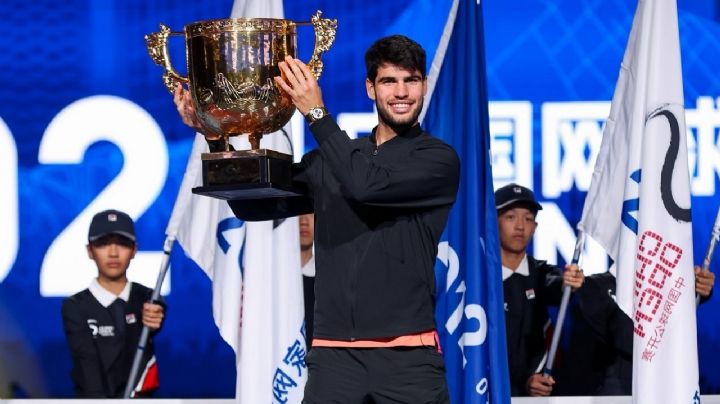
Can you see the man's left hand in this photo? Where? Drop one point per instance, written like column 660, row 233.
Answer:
column 298, row 81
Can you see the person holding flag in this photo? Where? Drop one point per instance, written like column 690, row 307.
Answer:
column 601, row 338
column 381, row 204
column 529, row 287
column 103, row 322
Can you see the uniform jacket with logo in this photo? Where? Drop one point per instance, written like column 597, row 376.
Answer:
column 526, row 315
column 101, row 357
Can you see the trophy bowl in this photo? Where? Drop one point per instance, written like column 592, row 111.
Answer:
column 230, row 68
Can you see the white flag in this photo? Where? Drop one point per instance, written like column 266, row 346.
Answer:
column 211, row 235
column 638, row 208
column 271, row 355
column 255, row 269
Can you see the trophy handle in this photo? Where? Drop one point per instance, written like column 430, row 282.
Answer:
column 325, row 29
column 157, row 48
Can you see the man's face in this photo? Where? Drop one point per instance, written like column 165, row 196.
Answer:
column 398, row 95
column 516, row 227
column 112, row 255
column 307, row 231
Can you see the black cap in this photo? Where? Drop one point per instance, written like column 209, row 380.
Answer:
column 111, row 222
column 513, row 194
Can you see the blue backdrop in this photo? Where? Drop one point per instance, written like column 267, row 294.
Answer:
column 551, row 71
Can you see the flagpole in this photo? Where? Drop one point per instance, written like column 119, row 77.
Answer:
column 167, row 248
column 563, row 309
column 714, row 236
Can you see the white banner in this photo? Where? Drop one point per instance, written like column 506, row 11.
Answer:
column 638, row 208
column 255, row 269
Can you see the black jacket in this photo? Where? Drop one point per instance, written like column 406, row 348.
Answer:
column 309, row 300
column 379, row 216
column 598, row 345
column 102, row 354
column 526, row 314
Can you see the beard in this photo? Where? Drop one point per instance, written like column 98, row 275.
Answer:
column 399, row 125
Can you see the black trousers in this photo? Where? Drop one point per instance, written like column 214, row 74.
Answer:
column 375, row 375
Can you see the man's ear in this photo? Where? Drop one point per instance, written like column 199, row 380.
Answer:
column 134, row 251
column 370, row 87
column 91, row 255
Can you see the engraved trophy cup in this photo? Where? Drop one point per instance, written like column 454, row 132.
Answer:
column 230, row 68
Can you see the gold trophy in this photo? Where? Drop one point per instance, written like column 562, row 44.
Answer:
column 230, row 65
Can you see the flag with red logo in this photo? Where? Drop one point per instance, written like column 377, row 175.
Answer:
column 638, row 208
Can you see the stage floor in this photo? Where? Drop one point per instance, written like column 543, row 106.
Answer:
column 524, row 400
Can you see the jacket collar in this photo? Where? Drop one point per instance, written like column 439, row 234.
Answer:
column 309, row 268
column 523, row 269
column 410, row 133
column 104, row 296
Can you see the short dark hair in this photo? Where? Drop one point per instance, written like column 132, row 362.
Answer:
column 398, row 50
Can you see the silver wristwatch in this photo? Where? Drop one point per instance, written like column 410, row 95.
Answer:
column 316, row 113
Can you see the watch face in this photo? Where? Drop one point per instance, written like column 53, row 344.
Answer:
column 317, row 113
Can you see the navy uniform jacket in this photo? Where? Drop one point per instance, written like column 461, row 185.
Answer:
column 599, row 351
column 526, row 313
column 309, row 299
column 102, row 353
column 601, row 342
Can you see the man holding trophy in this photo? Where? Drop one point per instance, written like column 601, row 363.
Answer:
column 381, row 203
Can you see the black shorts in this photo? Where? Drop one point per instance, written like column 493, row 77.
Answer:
column 375, row 375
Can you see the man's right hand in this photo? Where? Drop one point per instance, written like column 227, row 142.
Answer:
column 539, row 385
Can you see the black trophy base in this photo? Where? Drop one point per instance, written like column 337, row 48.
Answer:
column 246, row 174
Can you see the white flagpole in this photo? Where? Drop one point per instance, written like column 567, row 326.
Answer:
column 145, row 333
column 563, row 309
column 714, row 236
